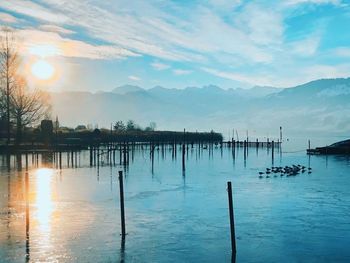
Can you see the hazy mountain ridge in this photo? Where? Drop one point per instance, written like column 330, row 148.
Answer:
column 321, row 105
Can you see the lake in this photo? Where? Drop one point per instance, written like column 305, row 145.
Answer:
column 72, row 214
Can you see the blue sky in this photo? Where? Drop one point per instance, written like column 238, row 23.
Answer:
column 100, row 45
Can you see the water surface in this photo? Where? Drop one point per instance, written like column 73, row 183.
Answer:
column 174, row 216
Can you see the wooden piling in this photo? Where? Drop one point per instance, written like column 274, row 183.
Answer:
column 232, row 222
column 122, row 212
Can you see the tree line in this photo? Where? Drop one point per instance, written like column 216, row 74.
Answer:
column 20, row 105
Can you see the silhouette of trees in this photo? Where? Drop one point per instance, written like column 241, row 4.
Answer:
column 151, row 127
column 26, row 106
column 18, row 102
column 9, row 62
column 130, row 125
column 119, row 126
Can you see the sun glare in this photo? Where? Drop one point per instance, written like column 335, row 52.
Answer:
column 44, row 50
column 42, row 70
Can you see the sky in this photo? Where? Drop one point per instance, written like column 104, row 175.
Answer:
column 99, row 45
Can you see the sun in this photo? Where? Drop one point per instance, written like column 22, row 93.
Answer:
column 42, row 69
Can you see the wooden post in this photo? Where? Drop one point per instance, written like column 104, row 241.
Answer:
column 309, row 145
column 232, row 222
column 122, row 212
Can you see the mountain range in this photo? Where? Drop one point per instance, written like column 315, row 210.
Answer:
column 320, row 106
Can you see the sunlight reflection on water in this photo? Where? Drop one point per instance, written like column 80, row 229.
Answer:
column 44, row 204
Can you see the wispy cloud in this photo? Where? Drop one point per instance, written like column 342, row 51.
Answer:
column 296, row 2
column 56, row 29
column 342, row 52
column 239, row 77
column 71, row 48
column 31, row 9
column 305, row 47
column 134, row 78
column 251, row 40
column 160, row 66
column 181, row 72
column 7, row 18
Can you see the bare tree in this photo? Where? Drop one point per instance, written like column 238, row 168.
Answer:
column 119, row 126
column 27, row 106
column 8, row 69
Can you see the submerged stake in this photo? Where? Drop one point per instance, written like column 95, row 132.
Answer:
column 122, row 213
column 232, row 222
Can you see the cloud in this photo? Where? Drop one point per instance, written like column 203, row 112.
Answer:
column 253, row 80
column 343, row 52
column 254, row 41
column 181, row 72
column 305, row 47
column 31, row 9
column 134, row 78
column 7, row 18
column 56, row 29
column 263, row 25
column 160, row 66
column 319, row 2
column 54, row 45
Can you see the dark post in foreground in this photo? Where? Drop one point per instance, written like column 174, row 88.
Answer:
column 232, row 221
column 122, row 213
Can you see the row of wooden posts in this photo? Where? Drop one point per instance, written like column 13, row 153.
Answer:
column 125, row 152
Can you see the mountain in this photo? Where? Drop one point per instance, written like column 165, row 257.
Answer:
column 318, row 106
column 126, row 89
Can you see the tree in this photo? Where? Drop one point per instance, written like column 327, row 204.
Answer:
column 151, row 127
column 9, row 63
column 27, row 106
column 131, row 125
column 119, row 126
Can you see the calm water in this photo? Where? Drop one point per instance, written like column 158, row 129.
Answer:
column 173, row 216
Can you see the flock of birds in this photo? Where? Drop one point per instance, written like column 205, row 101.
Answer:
column 285, row 171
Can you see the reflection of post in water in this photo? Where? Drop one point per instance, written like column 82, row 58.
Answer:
column 19, row 162
column 26, row 161
column 221, row 148
column 68, row 159
column 233, row 150
column 122, row 250
column 152, row 147
column 8, row 162
column 183, row 157
column 245, row 152
column 233, row 257
column 27, row 216
column 273, row 152
column 60, row 160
